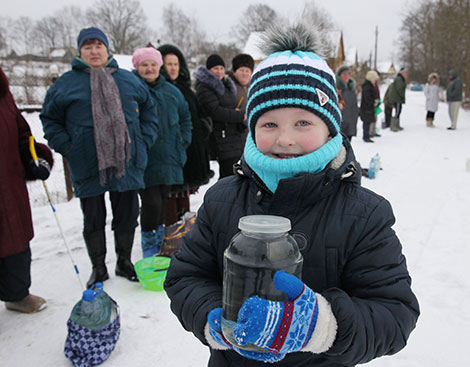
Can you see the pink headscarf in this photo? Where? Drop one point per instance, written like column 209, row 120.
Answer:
column 146, row 54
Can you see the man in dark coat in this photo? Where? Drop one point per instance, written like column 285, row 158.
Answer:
column 16, row 226
column 296, row 165
column 217, row 94
column 454, row 98
column 350, row 112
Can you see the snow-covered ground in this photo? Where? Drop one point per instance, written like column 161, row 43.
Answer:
column 425, row 178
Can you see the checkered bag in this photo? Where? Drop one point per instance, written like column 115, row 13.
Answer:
column 86, row 347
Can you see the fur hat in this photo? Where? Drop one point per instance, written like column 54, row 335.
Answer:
column 294, row 75
column 372, row 76
column 343, row 69
column 214, row 60
column 243, row 60
column 146, row 54
column 89, row 34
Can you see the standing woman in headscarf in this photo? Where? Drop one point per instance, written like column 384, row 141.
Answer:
column 16, row 225
column 217, row 94
column 103, row 121
column 197, row 169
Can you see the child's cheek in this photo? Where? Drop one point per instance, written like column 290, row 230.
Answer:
column 263, row 144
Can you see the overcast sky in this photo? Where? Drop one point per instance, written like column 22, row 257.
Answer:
column 356, row 18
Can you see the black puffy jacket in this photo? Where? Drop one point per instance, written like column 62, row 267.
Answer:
column 351, row 254
column 219, row 100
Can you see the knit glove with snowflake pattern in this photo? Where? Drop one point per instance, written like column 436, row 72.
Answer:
column 304, row 322
column 214, row 329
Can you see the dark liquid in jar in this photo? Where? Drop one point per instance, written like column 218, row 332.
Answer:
column 249, row 268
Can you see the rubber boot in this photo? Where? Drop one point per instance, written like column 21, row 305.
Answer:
column 152, row 241
column 398, row 125
column 123, row 241
column 96, row 247
column 394, row 124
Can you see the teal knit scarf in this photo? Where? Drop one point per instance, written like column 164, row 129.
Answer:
column 272, row 170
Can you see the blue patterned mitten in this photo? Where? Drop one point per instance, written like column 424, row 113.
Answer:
column 280, row 327
column 215, row 330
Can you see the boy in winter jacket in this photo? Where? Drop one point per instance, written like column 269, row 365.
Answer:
column 354, row 302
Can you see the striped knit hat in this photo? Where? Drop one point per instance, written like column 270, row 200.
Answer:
column 293, row 75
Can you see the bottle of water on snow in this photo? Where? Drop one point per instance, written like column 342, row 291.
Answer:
column 95, row 310
column 372, row 168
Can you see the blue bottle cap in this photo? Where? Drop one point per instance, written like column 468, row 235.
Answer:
column 91, row 293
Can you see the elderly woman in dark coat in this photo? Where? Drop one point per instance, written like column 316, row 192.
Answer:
column 369, row 99
column 16, row 226
column 350, row 112
column 167, row 156
column 217, row 93
column 103, row 121
column 197, row 170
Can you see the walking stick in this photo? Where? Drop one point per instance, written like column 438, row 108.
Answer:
column 32, row 149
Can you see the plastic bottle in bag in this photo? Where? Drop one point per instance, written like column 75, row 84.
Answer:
column 95, row 310
column 261, row 248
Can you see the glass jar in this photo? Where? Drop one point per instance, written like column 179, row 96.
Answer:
column 262, row 247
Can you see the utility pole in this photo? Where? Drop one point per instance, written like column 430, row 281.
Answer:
column 376, row 38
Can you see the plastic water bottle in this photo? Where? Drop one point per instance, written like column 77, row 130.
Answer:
column 378, row 163
column 372, row 168
column 262, row 247
column 95, row 310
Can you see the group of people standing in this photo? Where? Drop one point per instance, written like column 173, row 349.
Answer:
column 394, row 99
column 142, row 133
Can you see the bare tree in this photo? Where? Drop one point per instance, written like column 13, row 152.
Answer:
column 123, row 21
column 183, row 31
column 255, row 18
column 24, row 41
column 4, row 21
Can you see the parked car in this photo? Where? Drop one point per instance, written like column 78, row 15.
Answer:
column 416, row 87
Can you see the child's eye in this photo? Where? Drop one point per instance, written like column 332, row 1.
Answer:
column 303, row 123
column 270, row 124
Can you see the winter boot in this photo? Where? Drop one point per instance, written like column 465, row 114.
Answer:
column 152, row 241
column 29, row 304
column 394, row 124
column 123, row 241
column 96, row 247
column 398, row 125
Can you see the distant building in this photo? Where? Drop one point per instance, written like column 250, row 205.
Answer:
column 386, row 69
column 62, row 54
column 336, row 55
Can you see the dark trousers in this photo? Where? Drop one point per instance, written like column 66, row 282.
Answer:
column 226, row 167
column 388, row 115
column 398, row 107
column 15, row 276
column 152, row 211
column 125, row 208
column 365, row 130
column 430, row 115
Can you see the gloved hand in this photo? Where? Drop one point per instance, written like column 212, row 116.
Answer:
column 40, row 171
column 214, row 320
column 279, row 327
